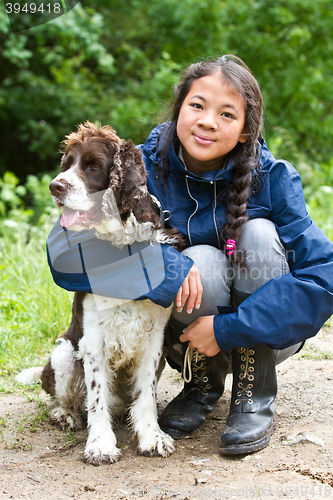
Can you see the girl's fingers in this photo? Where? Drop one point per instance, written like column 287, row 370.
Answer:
column 190, row 291
column 193, row 291
column 198, row 299
column 182, row 295
column 178, row 299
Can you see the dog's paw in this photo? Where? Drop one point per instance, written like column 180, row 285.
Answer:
column 65, row 419
column 156, row 444
column 97, row 454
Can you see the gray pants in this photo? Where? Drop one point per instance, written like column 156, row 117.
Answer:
column 224, row 283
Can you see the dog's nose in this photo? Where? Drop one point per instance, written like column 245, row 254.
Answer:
column 57, row 187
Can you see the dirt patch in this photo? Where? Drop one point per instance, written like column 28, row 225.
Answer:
column 38, row 461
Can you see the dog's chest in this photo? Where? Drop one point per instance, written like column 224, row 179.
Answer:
column 121, row 328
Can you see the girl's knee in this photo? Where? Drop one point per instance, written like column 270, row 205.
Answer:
column 261, row 241
column 264, row 254
column 202, row 253
column 257, row 233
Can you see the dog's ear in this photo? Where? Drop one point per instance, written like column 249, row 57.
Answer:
column 127, row 181
column 133, row 184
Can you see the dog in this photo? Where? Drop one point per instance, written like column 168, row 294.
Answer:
column 111, row 354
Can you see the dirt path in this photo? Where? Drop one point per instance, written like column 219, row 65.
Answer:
column 44, row 463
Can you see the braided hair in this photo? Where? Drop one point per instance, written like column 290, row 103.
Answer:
column 235, row 73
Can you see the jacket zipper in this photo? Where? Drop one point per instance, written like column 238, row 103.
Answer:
column 214, row 216
column 196, row 209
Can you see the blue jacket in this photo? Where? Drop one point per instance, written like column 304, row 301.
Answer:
column 283, row 312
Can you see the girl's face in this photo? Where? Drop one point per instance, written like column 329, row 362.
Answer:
column 210, row 123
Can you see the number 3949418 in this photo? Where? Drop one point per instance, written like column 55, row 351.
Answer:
column 31, row 8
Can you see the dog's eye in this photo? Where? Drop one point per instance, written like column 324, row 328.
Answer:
column 94, row 166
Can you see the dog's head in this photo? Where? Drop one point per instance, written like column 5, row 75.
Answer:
column 98, row 170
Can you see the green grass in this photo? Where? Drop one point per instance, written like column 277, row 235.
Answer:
column 33, row 310
column 13, row 430
column 311, row 351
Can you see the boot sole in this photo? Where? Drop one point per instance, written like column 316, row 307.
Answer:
column 245, row 448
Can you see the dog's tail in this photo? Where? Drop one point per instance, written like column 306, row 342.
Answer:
column 30, row 375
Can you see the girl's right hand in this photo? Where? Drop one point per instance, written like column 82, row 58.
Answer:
column 191, row 290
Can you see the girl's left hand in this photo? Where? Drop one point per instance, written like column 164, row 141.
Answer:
column 200, row 335
column 190, row 291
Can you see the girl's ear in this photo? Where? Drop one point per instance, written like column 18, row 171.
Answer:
column 243, row 136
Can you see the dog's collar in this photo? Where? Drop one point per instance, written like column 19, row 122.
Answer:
column 160, row 210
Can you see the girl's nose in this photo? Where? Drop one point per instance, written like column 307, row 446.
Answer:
column 207, row 120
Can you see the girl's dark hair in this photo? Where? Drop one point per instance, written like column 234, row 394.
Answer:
column 235, row 73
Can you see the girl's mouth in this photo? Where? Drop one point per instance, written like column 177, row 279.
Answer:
column 202, row 139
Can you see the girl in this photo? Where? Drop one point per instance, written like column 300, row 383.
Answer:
column 262, row 278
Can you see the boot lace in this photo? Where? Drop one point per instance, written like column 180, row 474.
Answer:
column 244, row 394
column 196, row 363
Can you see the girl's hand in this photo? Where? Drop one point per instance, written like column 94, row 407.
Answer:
column 191, row 290
column 200, row 335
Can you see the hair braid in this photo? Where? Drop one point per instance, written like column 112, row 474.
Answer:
column 237, row 205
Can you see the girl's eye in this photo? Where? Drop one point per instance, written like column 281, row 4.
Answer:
column 228, row 115
column 196, row 105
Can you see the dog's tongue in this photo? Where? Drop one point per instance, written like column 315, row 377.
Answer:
column 68, row 217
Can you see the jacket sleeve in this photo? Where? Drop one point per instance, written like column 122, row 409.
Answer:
column 293, row 307
column 81, row 262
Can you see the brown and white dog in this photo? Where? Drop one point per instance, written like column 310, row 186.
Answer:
column 112, row 353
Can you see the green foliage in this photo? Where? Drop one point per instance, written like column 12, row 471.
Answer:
column 39, row 197
column 116, row 63
column 320, row 207
column 10, row 193
column 33, row 311
column 317, row 181
column 51, row 82
column 24, row 209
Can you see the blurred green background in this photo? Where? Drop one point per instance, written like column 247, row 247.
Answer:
column 115, row 62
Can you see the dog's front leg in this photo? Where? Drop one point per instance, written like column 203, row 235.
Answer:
column 101, row 443
column 152, row 441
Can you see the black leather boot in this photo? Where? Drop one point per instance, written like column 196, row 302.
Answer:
column 250, row 421
column 184, row 414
